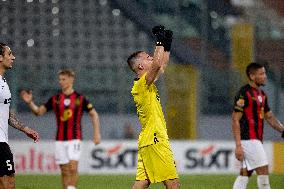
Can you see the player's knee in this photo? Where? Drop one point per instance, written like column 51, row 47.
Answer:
column 10, row 182
column 73, row 166
column 73, row 169
column 141, row 185
column 176, row 185
column 245, row 172
column 172, row 184
column 64, row 170
column 10, row 185
column 263, row 182
column 262, row 170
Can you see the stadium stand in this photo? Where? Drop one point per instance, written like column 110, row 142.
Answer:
column 95, row 37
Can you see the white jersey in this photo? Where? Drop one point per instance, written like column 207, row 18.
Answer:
column 5, row 99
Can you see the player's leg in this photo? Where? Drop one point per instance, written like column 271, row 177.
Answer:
column 260, row 165
column 61, row 157
column 172, row 184
column 73, row 171
column 262, row 177
column 141, row 184
column 159, row 164
column 243, row 179
column 142, row 181
column 1, row 182
column 74, row 153
column 7, row 182
column 65, row 175
column 7, row 169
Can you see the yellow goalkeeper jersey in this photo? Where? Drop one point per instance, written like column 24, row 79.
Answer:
column 149, row 111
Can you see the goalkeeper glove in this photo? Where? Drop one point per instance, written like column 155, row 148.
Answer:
column 159, row 32
column 282, row 134
column 163, row 37
column 167, row 41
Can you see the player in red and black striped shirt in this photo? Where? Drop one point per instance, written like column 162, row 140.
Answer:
column 68, row 110
column 68, row 107
column 250, row 109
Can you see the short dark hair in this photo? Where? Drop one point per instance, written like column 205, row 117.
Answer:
column 253, row 67
column 67, row 72
column 131, row 60
column 2, row 48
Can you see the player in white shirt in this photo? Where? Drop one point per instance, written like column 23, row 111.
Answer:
column 7, row 117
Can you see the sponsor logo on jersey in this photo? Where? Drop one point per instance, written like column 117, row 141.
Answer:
column 67, row 114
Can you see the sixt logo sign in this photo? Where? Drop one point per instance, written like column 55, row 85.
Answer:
column 208, row 157
column 114, row 157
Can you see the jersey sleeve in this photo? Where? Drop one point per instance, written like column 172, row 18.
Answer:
column 48, row 104
column 87, row 106
column 266, row 106
column 240, row 101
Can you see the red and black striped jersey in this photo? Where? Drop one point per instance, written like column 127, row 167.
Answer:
column 253, row 103
column 68, row 110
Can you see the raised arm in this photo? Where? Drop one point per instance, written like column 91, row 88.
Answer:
column 156, row 65
column 96, row 125
column 236, row 117
column 274, row 122
column 166, row 57
column 17, row 124
column 163, row 39
column 27, row 97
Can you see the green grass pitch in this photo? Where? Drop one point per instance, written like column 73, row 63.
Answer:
column 126, row 181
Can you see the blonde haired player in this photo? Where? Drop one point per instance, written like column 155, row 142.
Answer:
column 155, row 158
column 68, row 107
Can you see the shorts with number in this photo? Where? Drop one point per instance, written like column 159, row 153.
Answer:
column 254, row 154
column 67, row 150
column 156, row 163
column 6, row 160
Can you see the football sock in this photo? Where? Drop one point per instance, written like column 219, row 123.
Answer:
column 241, row 182
column 263, row 182
column 71, row 187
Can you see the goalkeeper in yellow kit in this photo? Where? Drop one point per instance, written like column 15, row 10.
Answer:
column 155, row 158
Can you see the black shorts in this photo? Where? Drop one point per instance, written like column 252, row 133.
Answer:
column 6, row 160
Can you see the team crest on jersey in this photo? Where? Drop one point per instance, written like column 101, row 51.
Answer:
column 241, row 102
column 67, row 102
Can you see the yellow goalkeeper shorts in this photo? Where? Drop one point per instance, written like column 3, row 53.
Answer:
column 156, row 163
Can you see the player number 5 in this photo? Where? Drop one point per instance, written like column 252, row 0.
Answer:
column 9, row 165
